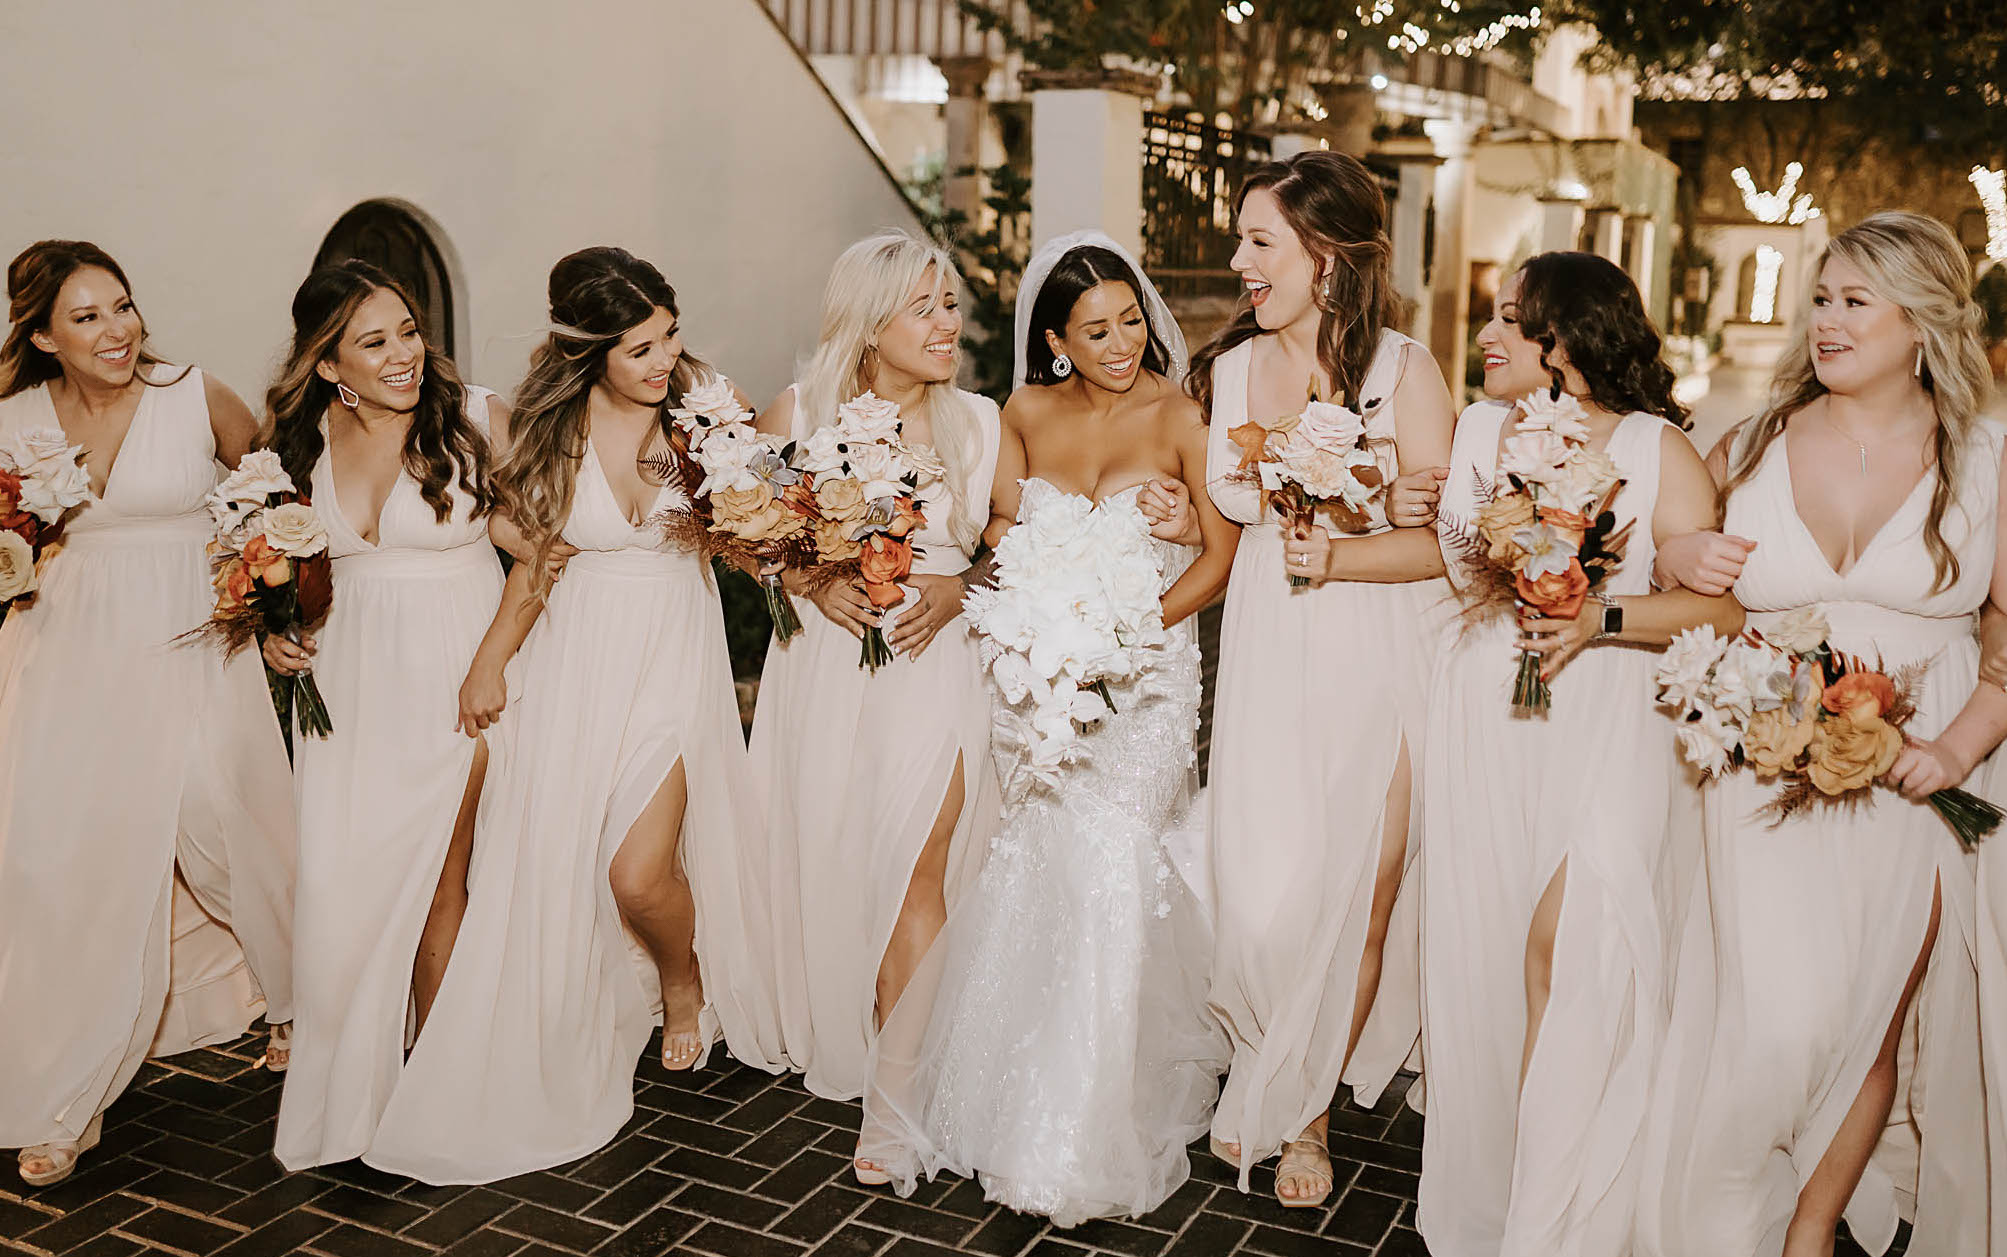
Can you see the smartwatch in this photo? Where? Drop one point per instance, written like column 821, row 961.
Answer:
column 1613, row 616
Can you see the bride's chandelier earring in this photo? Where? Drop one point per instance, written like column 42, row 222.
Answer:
column 1062, row 366
column 349, row 397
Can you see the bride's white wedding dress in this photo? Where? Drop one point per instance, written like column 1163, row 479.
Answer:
column 1068, row 1056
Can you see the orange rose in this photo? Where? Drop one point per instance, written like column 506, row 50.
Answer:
column 233, row 586
column 1568, row 525
column 907, row 518
column 1556, row 595
column 884, row 562
column 265, row 562
column 1861, row 695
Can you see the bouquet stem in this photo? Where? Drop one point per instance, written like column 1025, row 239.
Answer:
column 309, row 708
column 779, row 608
column 1970, row 817
column 876, row 652
column 1530, row 695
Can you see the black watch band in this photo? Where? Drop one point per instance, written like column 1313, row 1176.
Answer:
column 1613, row 616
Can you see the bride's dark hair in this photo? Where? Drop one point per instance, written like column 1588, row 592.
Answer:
column 1079, row 270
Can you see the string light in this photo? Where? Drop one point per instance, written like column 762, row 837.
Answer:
column 1992, row 188
column 1413, row 38
column 1778, row 206
column 1239, row 11
column 1763, row 293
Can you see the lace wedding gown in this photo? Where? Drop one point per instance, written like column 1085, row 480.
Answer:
column 1067, row 1057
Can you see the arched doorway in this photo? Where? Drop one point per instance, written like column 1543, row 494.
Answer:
column 392, row 237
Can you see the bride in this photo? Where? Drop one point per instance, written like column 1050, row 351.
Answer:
column 1067, row 1057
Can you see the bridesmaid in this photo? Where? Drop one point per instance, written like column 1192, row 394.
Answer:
column 617, row 797
column 1870, row 490
column 369, row 416
column 880, row 791
column 1317, row 727
column 94, row 691
column 1545, row 986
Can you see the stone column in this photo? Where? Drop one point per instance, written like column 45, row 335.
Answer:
column 1087, row 154
column 966, row 114
column 1641, row 255
column 1409, row 227
column 1560, row 223
column 1609, row 237
column 1450, row 292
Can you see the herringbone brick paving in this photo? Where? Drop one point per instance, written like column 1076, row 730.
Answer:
column 728, row 1162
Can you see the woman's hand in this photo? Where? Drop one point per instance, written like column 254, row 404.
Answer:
column 556, row 557
column 287, row 658
column 1167, row 504
column 1708, row 563
column 940, row 601
column 1412, row 502
column 483, row 695
column 1558, row 641
column 1924, row 768
column 1306, row 553
column 844, row 604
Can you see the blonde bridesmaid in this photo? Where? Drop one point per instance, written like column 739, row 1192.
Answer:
column 1317, row 727
column 880, row 792
column 94, row 691
column 618, row 800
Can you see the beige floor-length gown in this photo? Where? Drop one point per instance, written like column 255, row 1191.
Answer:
column 1797, row 944
column 854, row 766
column 1321, row 692
column 378, row 797
column 126, row 757
column 1548, row 1167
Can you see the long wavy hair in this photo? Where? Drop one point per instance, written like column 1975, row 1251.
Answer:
column 1078, row 272
column 597, row 296
column 1587, row 307
column 442, row 447
column 1917, row 263
column 34, row 278
column 868, row 287
column 1335, row 207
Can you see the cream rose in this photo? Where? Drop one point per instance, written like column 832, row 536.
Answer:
column 868, row 417
column 50, row 488
column 39, row 445
column 294, row 530
column 17, row 567
column 1799, row 631
column 257, row 478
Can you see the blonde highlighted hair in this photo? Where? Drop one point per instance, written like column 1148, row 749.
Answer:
column 1916, row 263
column 868, row 287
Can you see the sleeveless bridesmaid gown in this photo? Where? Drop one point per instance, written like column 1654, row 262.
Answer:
column 1797, row 946
column 1321, row 691
column 1548, row 1166
column 378, row 796
column 528, row 1057
column 853, row 766
column 94, row 690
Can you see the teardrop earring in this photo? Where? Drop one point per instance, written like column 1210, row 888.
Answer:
column 349, row 397
column 1062, row 366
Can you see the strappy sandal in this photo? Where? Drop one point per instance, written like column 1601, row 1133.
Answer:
column 868, row 1173
column 684, row 1050
column 61, row 1156
column 279, row 1048
column 1223, row 1150
column 1304, row 1161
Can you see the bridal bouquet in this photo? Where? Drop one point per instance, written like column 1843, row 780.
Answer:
column 745, row 503
column 1789, row 708
column 42, row 479
column 272, row 573
column 1319, row 460
column 871, row 493
column 1545, row 538
column 1075, row 608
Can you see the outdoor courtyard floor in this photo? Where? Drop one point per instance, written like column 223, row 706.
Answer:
column 728, row 1161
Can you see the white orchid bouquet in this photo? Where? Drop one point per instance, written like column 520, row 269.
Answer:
column 742, row 501
column 1783, row 704
column 1077, row 607
column 1545, row 537
column 871, row 491
column 1319, row 461
column 42, row 480
column 272, row 572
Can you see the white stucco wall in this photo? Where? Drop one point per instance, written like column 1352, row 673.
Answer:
column 210, row 144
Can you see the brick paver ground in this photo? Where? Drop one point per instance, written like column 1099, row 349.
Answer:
column 728, row 1161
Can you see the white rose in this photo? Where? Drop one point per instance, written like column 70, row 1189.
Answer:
column 49, row 488
column 257, row 478
column 1707, row 741
column 17, row 567
column 877, row 469
column 1800, row 631
column 923, row 462
column 27, row 449
column 1581, row 481
column 1757, row 675
column 727, row 456
column 868, row 417
column 1535, row 457
column 818, row 454
column 1563, row 415
column 1686, row 668
column 713, row 400
column 294, row 530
